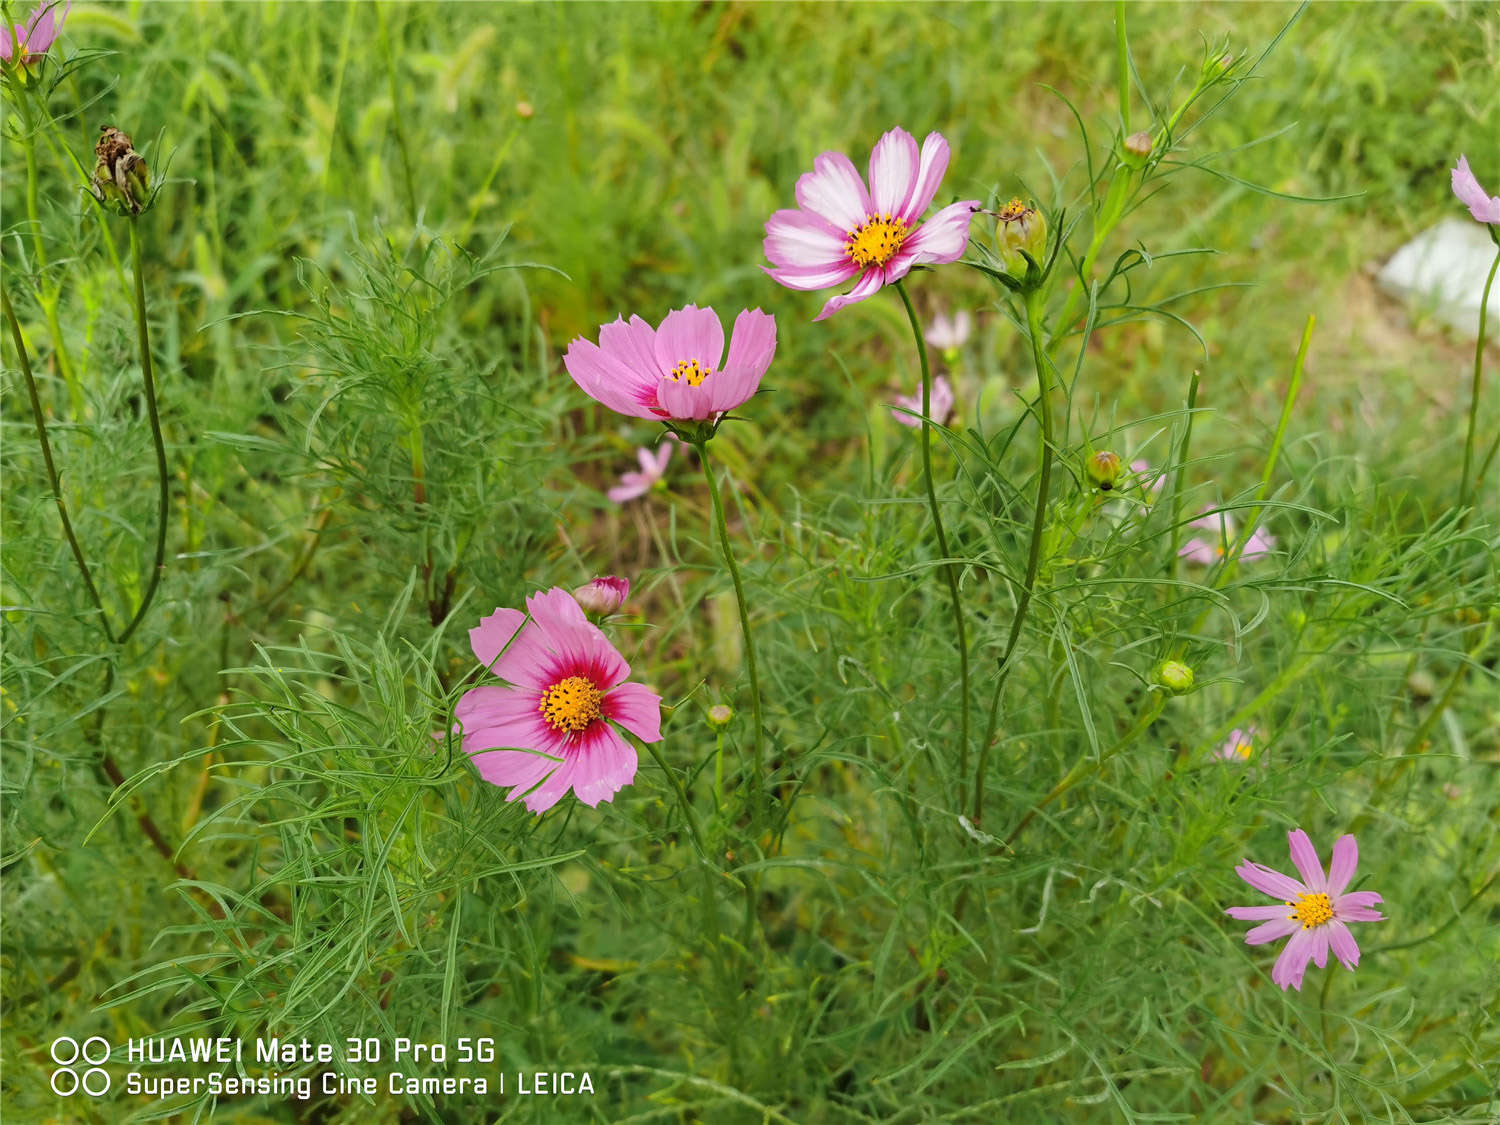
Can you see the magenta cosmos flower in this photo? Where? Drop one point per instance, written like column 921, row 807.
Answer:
column 1313, row 913
column 942, row 404
column 677, row 372
column 1484, row 208
column 845, row 230
column 31, row 40
column 566, row 683
column 1206, row 552
column 653, row 466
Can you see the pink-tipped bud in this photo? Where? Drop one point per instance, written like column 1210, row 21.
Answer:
column 603, row 596
column 1105, row 469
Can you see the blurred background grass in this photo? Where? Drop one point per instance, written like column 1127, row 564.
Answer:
column 314, row 150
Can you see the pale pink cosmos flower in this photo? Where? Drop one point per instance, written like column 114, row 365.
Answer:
column 1314, row 913
column 653, row 466
column 942, row 404
column 949, row 333
column 565, row 683
column 678, row 371
column 1238, row 746
column 844, row 230
column 1152, row 481
column 603, row 595
column 1206, row 552
column 31, row 40
column 1484, row 208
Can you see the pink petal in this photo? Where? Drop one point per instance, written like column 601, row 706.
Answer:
column 605, row 379
column 1345, row 948
column 1270, row 882
column 686, row 402
column 520, row 660
column 663, row 454
column 581, row 648
column 752, row 344
column 517, row 770
column 893, row 171
column 814, row 277
column 1305, row 857
column 1273, row 930
column 1320, row 946
column 8, row 42
column 496, row 718
column 934, row 165
column 1484, row 208
column 1198, row 551
column 1257, row 913
column 631, row 485
column 43, row 28
column 1257, row 545
column 603, row 764
column 1358, row 906
column 690, row 333
column 1341, row 866
column 867, row 286
column 633, row 345
column 636, row 708
column 834, row 191
column 1291, row 966
column 803, row 239
column 942, row 238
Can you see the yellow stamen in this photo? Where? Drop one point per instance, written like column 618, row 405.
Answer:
column 689, row 371
column 1311, row 910
column 571, row 705
column 875, row 241
column 1012, row 210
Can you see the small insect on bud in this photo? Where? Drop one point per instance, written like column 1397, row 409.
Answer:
column 1175, row 676
column 121, row 178
column 1021, row 232
column 1105, row 469
column 719, row 715
column 603, row 596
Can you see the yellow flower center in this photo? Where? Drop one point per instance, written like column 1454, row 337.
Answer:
column 1013, row 210
column 689, row 371
column 1242, row 748
column 876, row 241
column 1311, row 910
column 571, row 705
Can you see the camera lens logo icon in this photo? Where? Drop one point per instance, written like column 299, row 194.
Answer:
column 66, row 1052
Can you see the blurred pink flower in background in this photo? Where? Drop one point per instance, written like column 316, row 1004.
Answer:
column 31, row 40
column 653, row 467
column 1152, row 482
column 1238, row 746
column 844, row 230
column 1314, row 913
column 949, row 333
column 678, row 371
column 1484, row 208
column 1205, row 552
column 942, row 404
column 565, row 683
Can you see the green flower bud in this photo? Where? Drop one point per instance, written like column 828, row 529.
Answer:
column 1175, row 676
column 1105, row 469
column 719, row 715
column 1020, row 231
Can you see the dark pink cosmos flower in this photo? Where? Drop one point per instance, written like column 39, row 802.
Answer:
column 1314, row 913
column 549, row 729
column 1484, row 208
column 679, row 371
column 845, row 230
column 31, row 40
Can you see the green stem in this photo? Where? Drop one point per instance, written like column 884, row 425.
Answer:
column 1484, row 303
column 163, row 498
column 1123, row 65
column 53, row 481
column 950, row 569
column 1034, row 302
column 758, row 777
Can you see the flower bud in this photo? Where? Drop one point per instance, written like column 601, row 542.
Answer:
column 1105, row 469
column 719, row 715
column 1175, row 676
column 603, row 596
column 1138, row 144
column 1021, row 231
column 121, row 178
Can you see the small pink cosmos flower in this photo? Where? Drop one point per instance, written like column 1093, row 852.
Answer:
column 942, row 404
column 1238, row 746
column 1205, row 552
column 603, row 595
column 653, row 466
column 949, row 333
column 1314, row 913
column 845, row 230
column 1484, row 208
column 565, row 683
column 31, row 40
column 678, row 371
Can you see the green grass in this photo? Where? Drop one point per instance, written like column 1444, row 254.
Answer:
column 378, row 228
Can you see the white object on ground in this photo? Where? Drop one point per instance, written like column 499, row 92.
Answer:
column 1442, row 272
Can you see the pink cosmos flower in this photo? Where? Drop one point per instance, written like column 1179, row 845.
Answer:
column 1484, row 208
column 603, row 595
column 565, row 682
column 1314, row 913
column 948, row 333
column 844, row 230
column 653, row 466
column 1238, row 746
column 1205, row 552
column 678, row 371
column 1153, row 482
column 31, row 40
column 942, row 404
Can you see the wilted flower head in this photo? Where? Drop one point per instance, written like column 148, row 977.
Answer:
column 1314, row 913
column 1206, row 552
column 907, row 409
column 121, row 178
column 1484, row 208
column 548, row 729
column 677, row 372
column 1238, row 746
column 844, row 230
column 653, row 467
column 1021, row 232
column 28, row 42
column 603, row 596
column 949, row 333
